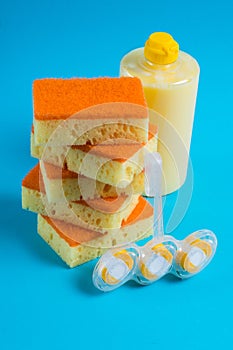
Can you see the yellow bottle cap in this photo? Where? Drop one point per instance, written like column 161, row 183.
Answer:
column 161, row 48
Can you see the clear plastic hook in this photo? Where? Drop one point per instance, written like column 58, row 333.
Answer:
column 153, row 188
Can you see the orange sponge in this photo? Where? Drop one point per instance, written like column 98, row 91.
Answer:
column 61, row 98
column 34, row 179
column 67, row 231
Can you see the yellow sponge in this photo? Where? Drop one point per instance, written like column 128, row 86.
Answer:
column 76, row 245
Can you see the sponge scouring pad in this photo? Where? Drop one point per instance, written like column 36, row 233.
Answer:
column 76, row 245
column 95, row 110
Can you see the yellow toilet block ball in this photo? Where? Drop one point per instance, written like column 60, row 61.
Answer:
column 118, row 267
column 193, row 259
column 157, row 263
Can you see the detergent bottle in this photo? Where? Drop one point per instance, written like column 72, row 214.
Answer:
column 170, row 81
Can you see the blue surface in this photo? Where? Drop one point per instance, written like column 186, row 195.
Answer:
column 43, row 304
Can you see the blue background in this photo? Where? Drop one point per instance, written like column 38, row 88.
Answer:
column 45, row 305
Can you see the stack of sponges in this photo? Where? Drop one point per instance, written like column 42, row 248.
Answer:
column 90, row 136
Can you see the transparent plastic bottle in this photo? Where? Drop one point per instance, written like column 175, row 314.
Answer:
column 170, row 82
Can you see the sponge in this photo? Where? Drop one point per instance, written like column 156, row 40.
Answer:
column 98, row 214
column 95, row 110
column 60, row 183
column 76, row 245
column 115, row 165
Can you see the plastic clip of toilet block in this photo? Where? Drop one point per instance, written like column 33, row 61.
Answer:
column 160, row 256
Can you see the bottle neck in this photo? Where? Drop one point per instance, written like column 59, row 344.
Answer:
column 156, row 66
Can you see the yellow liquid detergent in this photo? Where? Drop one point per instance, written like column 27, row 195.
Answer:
column 170, row 81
